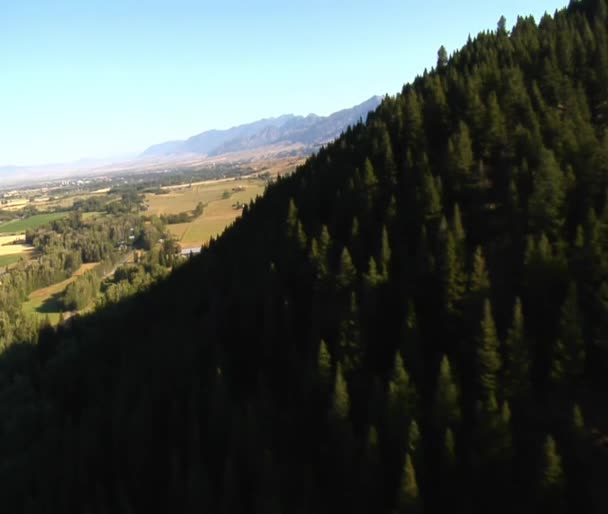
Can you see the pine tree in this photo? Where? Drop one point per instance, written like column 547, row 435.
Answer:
column 547, row 200
column 458, row 229
column 341, row 398
column 447, row 397
column 578, row 421
column 324, row 243
column 449, row 482
column 369, row 179
column 452, row 275
column 388, row 166
column 411, row 343
column 430, row 199
column 461, row 157
column 372, row 278
column 501, row 27
column 479, row 282
column 516, row 356
column 324, row 364
column 449, row 449
column 384, row 257
column 414, row 442
column 314, row 258
column 354, row 231
column 569, row 359
column 369, row 186
column 442, row 58
column 488, row 358
column 347, row 272
column 495, row 134
column 478, row 286
column 413, row 124
column 295, row 230
column 408, row 499
column 372, row 446
column 401, row 394
column 351, row 352
column 552, row 481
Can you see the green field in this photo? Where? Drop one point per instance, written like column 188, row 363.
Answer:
column 12, row 258
column 30, row 223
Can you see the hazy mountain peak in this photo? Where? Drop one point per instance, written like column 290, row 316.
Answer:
column 288, row 129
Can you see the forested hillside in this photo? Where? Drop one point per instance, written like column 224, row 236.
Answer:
column 416, row 321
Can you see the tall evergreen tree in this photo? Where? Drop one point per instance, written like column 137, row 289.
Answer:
column 516, row 356
column 401, row 395
column 408, row 498
column 341, row 398
column 488, row 357
column 324, row 364
column 351, row 350
column 442, row 58
column 347, row 272
column 414, row 442
column 384, row 257
column 446, row 407
column 452, row 275
column 552, row 480
column 547, row 200
column 569, row 355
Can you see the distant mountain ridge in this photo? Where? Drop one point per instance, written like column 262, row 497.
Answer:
column 308, row 131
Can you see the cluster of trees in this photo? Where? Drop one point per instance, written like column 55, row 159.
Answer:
column 83, row 291
column 19, row 281
column 130, row 201
column 61, row 248
column 130, row 280
column 90, row 204
column 123, row 280
column 183, row 217
column 419, row 325
column 97, row 240
column 138, row 277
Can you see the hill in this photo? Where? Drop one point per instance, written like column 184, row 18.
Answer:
column 414, row 321
column 309, row 131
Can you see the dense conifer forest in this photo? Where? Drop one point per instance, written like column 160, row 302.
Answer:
column 415, row 321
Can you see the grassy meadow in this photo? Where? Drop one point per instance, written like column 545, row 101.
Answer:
column 11, row 258
column 31, row 222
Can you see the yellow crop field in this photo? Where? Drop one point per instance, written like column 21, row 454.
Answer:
column 13, row 244
column 219, row 210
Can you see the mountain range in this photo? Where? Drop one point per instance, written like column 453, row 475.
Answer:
column 288, row 133
column 307, row 132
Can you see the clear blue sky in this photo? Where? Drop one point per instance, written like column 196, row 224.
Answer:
column 90, row 78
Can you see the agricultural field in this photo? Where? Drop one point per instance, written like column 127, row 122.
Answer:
column 12, row 249
column 46, row 301
column 31, row 222
column 13, row 204
column 219, row 198
column 11, row 258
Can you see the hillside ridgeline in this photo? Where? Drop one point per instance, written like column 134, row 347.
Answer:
column 414, row 321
